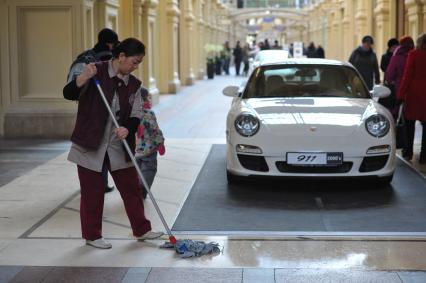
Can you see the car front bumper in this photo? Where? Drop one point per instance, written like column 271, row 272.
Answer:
column 244, row 164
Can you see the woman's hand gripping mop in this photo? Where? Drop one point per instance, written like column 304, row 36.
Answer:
column 186, row 248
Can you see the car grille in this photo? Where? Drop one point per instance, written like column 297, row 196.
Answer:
column 283, row 167
column 373, row 163
column 252, row 162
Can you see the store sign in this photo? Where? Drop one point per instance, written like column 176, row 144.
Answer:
column 298, row 49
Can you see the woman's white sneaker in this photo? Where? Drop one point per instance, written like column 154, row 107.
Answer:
column 99, row 243
column 150, row 235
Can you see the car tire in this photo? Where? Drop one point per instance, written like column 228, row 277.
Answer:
column 385, row 181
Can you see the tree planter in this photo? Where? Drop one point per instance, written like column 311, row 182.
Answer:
column 210, row 70
column 218, row 67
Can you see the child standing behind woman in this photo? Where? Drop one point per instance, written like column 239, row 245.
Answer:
column 150, row 140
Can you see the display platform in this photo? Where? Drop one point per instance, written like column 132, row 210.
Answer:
column 301, row 207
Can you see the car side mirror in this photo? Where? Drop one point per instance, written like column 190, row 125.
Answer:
column 380, row 91
column 231, row 91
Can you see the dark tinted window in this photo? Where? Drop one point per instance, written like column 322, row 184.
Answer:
column 305, row 81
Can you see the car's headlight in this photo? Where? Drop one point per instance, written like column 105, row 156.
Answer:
column 377, row 125
column 246, row 124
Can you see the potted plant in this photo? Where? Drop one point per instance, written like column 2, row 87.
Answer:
column 209, row 48
column 218, row 59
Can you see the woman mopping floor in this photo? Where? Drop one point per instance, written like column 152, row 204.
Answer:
column 97, row 141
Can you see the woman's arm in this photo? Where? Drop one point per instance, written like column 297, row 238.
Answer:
column 73, row 89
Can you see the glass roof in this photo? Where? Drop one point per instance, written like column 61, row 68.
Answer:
column 275, row 3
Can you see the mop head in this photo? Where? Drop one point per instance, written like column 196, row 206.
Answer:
column 190, row 248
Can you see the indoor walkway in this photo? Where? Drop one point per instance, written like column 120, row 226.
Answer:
column 40, row 237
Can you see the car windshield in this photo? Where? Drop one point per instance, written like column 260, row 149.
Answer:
column 305, row 81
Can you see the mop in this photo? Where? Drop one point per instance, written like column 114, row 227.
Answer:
column 186, row 248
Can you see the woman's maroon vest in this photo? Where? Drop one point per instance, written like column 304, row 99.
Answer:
column 92, row 114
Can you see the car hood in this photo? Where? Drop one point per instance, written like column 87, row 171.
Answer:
column 326, row 116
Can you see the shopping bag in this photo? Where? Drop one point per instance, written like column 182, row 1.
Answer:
column 401, row 130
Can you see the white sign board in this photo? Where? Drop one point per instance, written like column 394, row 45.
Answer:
column 298, row 49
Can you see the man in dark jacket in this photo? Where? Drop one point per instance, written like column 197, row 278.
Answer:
column 102, row 51
column 365, row 61
column 238, row 57
column 384, row 62
column 320, row 52
column 311, row 51
column 389, row 102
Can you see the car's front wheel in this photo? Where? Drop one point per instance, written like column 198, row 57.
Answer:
column 385, row 181
column 231, row 178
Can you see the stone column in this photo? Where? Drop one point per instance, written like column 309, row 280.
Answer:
column 106, row 14
column 196, row 51
column 137, row 19
column 382, row 26
column 415, row 17
column 186, row 43
column 361, row 20
column 336, row 40
column 173, row 14
column 424, row 16
column 348, row 29
column 202, row 39
column 125, row 19
column 130, row 23
column 88, row 19
column 5, row 87
column 329, row 31
column 137, row 27
column 202, row 53
column 151, row 60
column 346, row 32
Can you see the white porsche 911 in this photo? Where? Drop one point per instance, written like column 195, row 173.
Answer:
column 309, row 118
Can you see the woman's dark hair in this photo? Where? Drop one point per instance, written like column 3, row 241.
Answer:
column 407, row 41
column 130, row 47
column 392, row 42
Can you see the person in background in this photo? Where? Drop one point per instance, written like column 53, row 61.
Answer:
column 102, row 51
column 311, row 51
column 365, row 61
column 394, row 73
column 267, row 46
column 238, row 56
column 150, row 141
column 276, row 45
column 384, row 62
column 97, row 143
column 226, row 57
column 320, row 52
column 245, row 58
column 412, row 93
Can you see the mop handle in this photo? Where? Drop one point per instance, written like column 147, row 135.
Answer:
column 126, row 145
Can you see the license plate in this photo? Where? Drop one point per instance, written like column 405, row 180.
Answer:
column 314, row 158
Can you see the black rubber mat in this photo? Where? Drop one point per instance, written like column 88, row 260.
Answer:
column 300, row 205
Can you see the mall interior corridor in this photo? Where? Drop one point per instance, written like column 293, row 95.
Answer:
column 281, row 232
column 299, row 178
